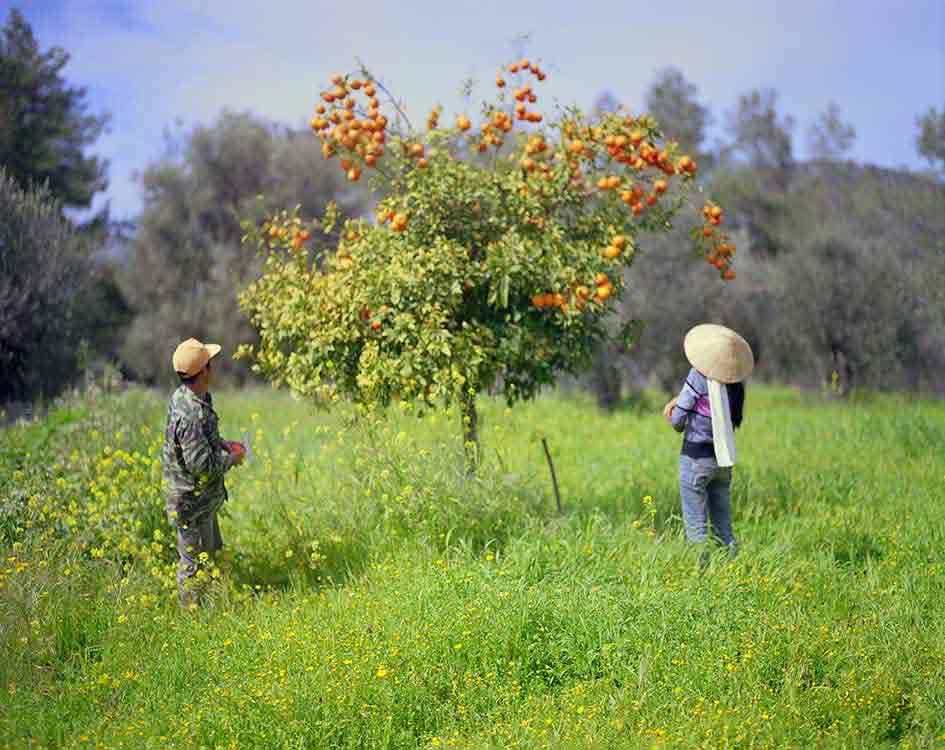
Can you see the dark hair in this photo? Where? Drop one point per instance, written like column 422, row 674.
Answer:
column 736, row 402
column 188, row 379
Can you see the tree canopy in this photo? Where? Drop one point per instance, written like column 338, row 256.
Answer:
column 673, row 101
column 45, row 128
column 930, row 141
column 501, row 269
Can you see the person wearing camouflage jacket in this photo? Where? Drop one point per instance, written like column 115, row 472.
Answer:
column 195, row 458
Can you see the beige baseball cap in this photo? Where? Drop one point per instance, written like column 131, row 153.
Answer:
column 191, row 356
column 719, row 353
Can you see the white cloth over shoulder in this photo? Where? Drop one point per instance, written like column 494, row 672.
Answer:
column 723, row 435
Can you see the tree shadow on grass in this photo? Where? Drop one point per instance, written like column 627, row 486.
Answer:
column 338, row 563
column 328, row 548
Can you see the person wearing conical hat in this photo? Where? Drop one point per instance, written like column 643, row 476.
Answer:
column 707, row 410
column 194, row 460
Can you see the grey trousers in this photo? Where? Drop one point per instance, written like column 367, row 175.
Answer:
column 192, row 539
column 706, row 498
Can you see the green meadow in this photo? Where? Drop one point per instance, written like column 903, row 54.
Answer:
column 374, row 595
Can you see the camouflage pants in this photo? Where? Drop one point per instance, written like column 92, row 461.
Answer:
column 196, row 543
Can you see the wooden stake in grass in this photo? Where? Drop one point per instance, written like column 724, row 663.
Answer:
column 551, row 468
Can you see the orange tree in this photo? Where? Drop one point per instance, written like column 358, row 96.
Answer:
column 497, row 251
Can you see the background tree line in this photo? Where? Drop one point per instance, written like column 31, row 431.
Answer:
column 840, row 264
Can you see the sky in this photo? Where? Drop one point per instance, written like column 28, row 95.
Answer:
column 161, row 65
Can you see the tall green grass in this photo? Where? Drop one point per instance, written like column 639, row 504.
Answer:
column 374, row 595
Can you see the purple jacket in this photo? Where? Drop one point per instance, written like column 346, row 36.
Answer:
column 692, row 414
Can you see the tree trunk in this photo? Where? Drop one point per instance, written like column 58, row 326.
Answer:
column 470, row 431
column 605, row 378
column 842, row 374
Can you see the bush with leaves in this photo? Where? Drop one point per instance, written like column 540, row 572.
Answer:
column 47, row 285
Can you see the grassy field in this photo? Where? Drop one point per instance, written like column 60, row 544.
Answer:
column 373, row 596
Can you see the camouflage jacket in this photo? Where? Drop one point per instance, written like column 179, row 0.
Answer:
column 194, row 457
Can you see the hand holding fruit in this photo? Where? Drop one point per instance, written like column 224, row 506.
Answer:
column 237, row 450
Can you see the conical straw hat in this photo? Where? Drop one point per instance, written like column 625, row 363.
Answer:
column 719, row 353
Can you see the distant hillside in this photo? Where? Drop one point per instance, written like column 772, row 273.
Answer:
column 887, row 205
